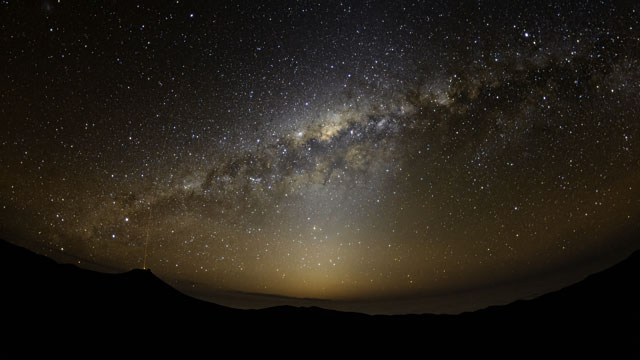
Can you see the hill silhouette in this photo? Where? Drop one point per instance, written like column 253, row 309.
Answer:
column 43, row 296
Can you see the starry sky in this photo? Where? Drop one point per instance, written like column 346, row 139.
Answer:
column 326, row 150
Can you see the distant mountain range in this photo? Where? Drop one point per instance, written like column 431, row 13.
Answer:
column 43, row 298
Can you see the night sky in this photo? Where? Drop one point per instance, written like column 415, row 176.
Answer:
column 323, row 149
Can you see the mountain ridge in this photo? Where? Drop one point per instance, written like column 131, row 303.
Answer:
column 40, row 291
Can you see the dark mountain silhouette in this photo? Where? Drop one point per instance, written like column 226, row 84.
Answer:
column 42, row 297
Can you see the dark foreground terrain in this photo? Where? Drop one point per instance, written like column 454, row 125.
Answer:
column 43, row 299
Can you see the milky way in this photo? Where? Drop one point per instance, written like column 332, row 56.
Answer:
column 330, row 151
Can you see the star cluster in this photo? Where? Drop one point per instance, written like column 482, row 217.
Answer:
column 323, row 150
